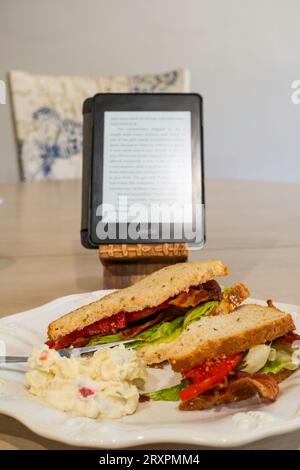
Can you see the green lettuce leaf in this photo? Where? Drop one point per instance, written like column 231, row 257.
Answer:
column 97, row 340
column 255, row 359
column 167, row 394
column 282, row 359
column 163, row 332
column 273, row 367
column 197, row 312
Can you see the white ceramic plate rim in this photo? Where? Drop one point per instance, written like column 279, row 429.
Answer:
column 115, row 434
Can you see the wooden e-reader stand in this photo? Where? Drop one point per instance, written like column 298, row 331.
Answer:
column 108, row 117
column 154, row 252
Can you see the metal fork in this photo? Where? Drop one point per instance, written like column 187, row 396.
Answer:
column 70, row 352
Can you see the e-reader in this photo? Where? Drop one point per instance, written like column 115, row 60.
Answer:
column 143, row 175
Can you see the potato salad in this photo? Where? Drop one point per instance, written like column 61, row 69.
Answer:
column 105, row 385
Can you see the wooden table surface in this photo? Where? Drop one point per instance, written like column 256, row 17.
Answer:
column 254, row 227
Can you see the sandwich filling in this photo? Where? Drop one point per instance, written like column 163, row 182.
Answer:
column 129, row 324
column 163, row 322
column 235, row 377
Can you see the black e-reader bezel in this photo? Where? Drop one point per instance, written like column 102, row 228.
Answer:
column 93, row 147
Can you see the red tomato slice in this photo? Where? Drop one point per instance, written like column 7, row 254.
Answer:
column 102, row 327
column 193, row 390
column 208, row 375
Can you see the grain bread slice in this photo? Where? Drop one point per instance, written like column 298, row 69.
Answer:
column 220, row 335
column 149, row 292
column 231, row 299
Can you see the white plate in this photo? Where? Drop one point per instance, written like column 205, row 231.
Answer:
column 154, row 422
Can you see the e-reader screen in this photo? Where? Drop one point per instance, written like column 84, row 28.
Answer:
column 147, row 159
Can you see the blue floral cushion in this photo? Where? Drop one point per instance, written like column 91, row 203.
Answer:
column 48, row 117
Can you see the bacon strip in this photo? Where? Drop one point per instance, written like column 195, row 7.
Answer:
column 289, row 338
column 166, row 315
column 133, row 331
column 240, row 388
column 263, row 384
column 208, row 291
column 132, row 317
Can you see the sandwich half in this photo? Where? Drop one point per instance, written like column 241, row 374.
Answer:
column 228, row 358
column 154, row 311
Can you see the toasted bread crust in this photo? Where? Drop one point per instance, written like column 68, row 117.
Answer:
column 249, row 325
column 232, row 298
column 149, row 292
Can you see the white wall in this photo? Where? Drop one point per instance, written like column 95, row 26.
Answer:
column 243, row 56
